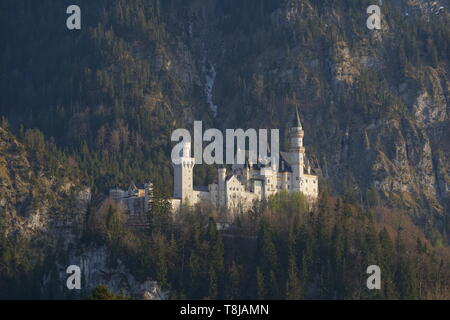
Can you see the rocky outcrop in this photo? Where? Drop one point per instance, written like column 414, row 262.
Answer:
column 48, row 213
column 33, row 203
column 390, row 133
column 97, row 268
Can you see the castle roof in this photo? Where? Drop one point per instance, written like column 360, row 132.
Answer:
column 284, row 165
column 201, row 188
column 229, row 176
column 296, row 123
column 132, row 187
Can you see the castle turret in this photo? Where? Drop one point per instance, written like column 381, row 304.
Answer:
column 297, row 152
column 221, row 181
column 183, row 175
column 246, row 175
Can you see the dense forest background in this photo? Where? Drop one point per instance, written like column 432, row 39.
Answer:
column 95, row 107
column 279, row 250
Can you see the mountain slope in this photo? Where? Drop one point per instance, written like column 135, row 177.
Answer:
column 374, row 103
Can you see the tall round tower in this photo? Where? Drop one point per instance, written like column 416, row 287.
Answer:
column 183, row 175
column 221, row 182
column 297, row 151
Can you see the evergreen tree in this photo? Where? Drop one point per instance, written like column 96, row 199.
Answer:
column 293, row 289
column 261, row 291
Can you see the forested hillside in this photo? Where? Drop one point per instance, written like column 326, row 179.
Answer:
column 102, row 101
column 282, row 251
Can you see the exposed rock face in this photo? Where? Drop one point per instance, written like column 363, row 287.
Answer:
column 374, row 104
column 399, row 145
column 375, row 112
column 31, row 201
column 98, row 269
column 49, row 213
column 345, row 69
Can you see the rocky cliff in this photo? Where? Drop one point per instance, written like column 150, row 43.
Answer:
column 374, row 103
column 37, row 201
column 43, row 213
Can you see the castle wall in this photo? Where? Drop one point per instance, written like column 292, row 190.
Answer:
column 198, row 196
column 214, row 194
column 282, row 181
column 238, row 192
column 310, row 185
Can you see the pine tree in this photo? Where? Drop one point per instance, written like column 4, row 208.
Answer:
column 293, row 289
column 266, row 253
column 161, row 265
column 406, row 280
column 233, row 282
column 215, row 257
column 213, row 290
column 261, row 291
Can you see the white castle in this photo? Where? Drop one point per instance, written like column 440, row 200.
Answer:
column 237, row 191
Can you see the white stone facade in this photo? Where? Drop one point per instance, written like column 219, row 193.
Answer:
column 237, row 190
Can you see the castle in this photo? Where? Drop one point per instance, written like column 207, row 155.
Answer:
column 136, row 200
column 236, row 191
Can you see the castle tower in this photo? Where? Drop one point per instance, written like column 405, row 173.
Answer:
column 221, row 181
column 148, row 196
column 183, row 175
column 246, row 175
column 297, row 152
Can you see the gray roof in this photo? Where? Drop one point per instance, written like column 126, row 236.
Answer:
column 201, row 188
column 296, row 123
column 284, row 165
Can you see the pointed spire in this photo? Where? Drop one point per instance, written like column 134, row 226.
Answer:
column 296, row 123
